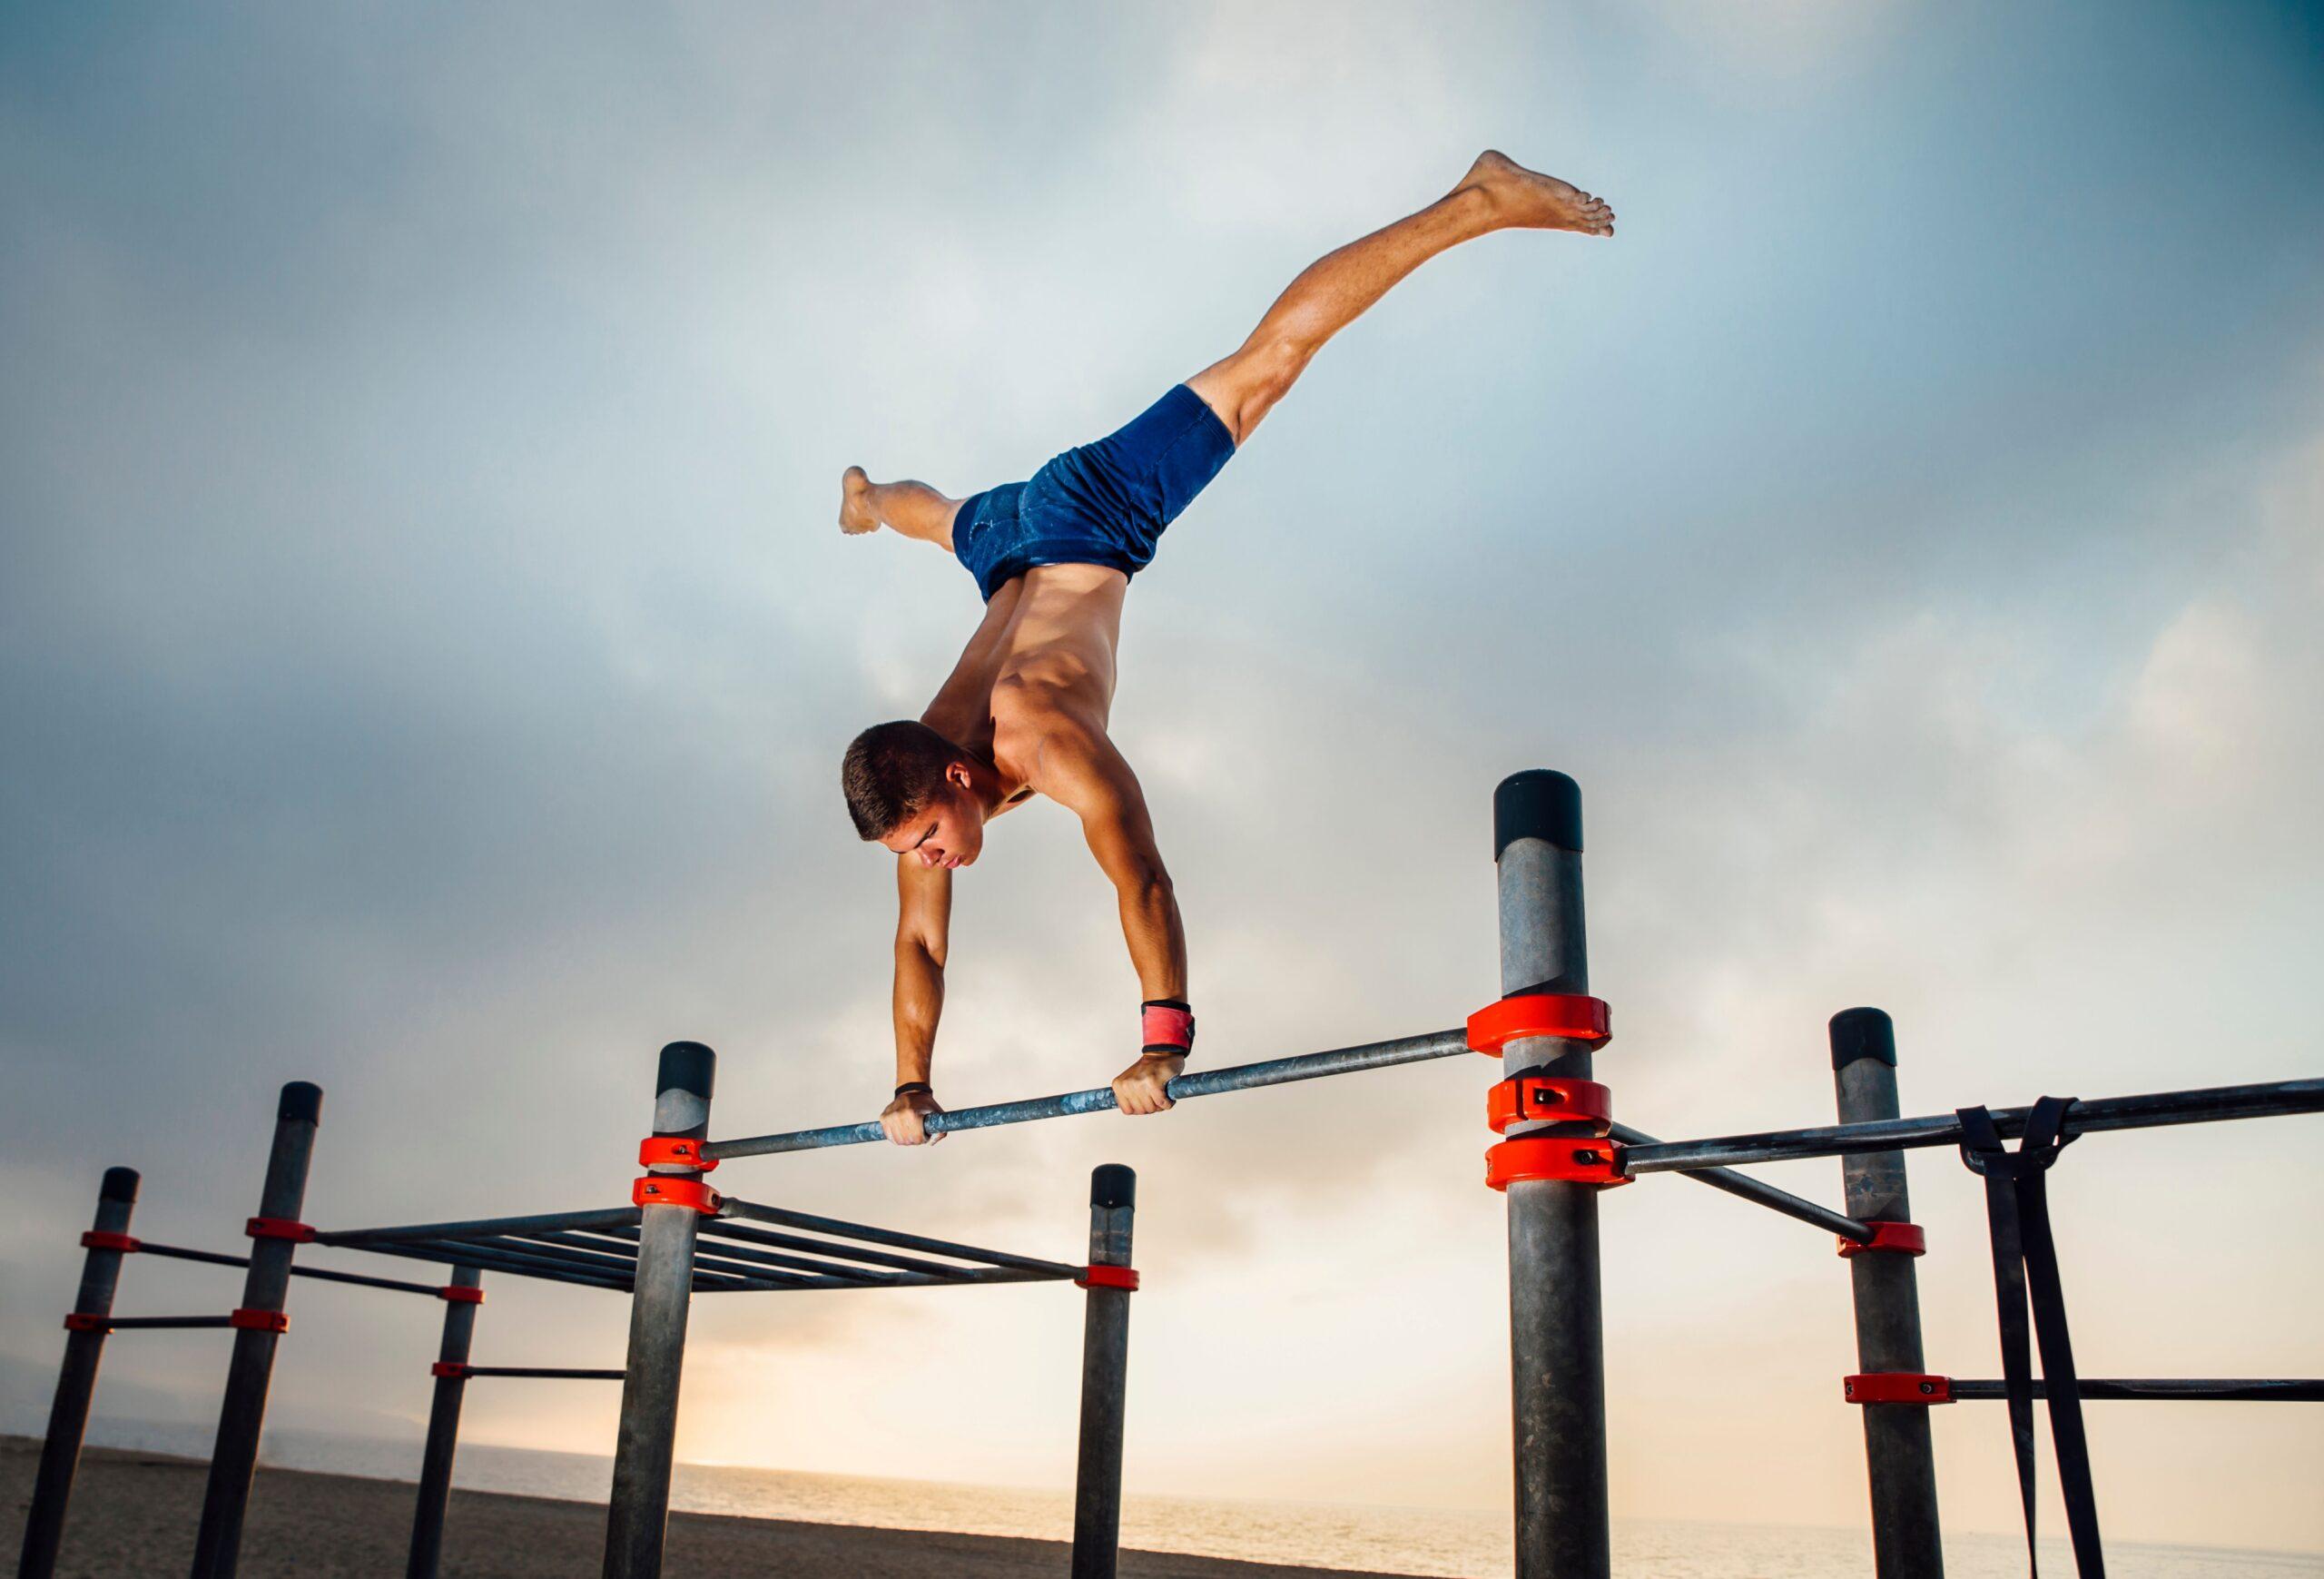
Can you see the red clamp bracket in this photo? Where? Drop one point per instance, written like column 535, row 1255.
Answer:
column 278, row 1228
column 1107, row 1277
column 459, row 1294
column 662, row 1189
column 249, row 1320
column 1522, row 1098
column 455, row 1370
column 1895, row 1239
column 1575, row 1160
column 86, row 1321
column 104, row 1240
column 1896, row 1387
column 674, row 1151
column 1573, row 1016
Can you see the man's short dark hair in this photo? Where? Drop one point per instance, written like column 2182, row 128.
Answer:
column 890, row 771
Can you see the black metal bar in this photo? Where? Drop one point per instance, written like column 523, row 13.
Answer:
column 242, row 1415
column 499, row 1256
column 1105, row 1378
column 566, row 1373
column 640, row 1510
column 480, row 1228
column 757, row 1212
column 2167, row 1387
column 163, row 1323
column 839, row 1250
column 207, row 1257
column 1747, row 1187
column 1900, row 1463
column 800, row 1271
column 492, row 1260
column 76, row 1381
column 2212, row 1104
column 1556, row 1321
column 443, row 1432
column 320, row 1274
column 1210, row 1082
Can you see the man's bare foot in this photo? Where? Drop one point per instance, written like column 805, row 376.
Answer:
column 1528, row 200
column 855, row 517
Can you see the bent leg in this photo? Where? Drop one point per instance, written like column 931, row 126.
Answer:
column 914, row 508
column 1497, row 194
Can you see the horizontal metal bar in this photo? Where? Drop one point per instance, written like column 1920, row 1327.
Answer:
column 2248, row 1392
column 568, row 1373
column 968, row 1275
column 180, row 1253
column 2210, row 1105
column 125, row 1322
column 758, row 1212
column 1767, row 1195
column 838, row 1249
column 748, row 1262
column 322, row 1274
column 492, row 1258
column 1241, row 1077
column 482, row 1229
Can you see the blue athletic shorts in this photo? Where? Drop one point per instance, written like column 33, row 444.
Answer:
column 1100, row 504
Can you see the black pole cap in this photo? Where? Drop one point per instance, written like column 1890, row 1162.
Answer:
column 1863, row 1033
column 1112, row 1184
column 686, row 1066
column 120, row 1184
column 1537, row 804
column 303, row 1101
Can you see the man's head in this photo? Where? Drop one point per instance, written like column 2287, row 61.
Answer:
column 915, row 792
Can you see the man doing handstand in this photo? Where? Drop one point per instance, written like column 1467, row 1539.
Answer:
column 1025, row 710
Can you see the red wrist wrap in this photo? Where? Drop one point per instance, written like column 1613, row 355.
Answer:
column 1167, row 1029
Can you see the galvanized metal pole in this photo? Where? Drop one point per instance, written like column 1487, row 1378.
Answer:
column 77, row 1378
column 1556, row 1334
column 1104, row 1373
column 640, row 1510
column 443, row 1430
column 1906, row 1541
column 242, row 1414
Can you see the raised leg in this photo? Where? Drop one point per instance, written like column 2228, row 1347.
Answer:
column 914, row 508
column 1497, row 194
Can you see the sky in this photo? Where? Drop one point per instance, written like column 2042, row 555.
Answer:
column 426, row 650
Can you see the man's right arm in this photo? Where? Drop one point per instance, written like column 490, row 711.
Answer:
column 923, row 928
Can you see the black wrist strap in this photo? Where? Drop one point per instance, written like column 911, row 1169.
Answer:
column 921, row 1087
column 1180, row 1004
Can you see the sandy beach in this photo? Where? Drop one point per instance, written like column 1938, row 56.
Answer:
column 134, row 1515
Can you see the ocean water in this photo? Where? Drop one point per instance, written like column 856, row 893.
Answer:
column 1456, row 1544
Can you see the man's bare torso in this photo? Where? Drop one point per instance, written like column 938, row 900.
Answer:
column 1041, row 662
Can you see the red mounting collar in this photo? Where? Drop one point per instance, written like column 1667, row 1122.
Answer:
column 459, row 1294
column 278, row 1228
column 249, row 1320
column 103, row 1239
column 662, row 1189
column 1107, row 1277
column 453, row 1368
column 1574, row 1160
column 1896, row 1387
column 1572, row 1016
column 674, row 1151
column 86, row 1321
column 1897, row 1238
column 1525, row 1098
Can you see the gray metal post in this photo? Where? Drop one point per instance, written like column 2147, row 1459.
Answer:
column 76, row 1380
column 1556, row 1330
column 443, row 1431
column 640, row 1510
column 1105, row 1374
column 242, row 1414
column 1906, row 1541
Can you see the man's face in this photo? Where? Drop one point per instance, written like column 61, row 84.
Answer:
column 948, row 831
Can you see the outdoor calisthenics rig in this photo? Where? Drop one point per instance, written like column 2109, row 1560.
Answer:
column 1560, row 1146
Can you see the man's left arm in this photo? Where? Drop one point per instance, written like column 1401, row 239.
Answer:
column 1090, row 777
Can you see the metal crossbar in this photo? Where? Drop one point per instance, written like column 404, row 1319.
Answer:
column 2250, row 1392
column 320, row 1274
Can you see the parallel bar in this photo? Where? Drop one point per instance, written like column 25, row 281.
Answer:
column 492, row 1261
column 482, row 1229
column 320, row 1274
column 129, row 1323
column 1241, row 1077
column 76, row 1382
column 496, row 1256
column 2170, row 1387
column 1900, row 1461
column 839, row 1250
column 443, row 1433
column 828, row 1274
column 757, row 1212
column 1764, row 1194
column 568, row 1373
column 2210, row 1105
column 242, row 1415
column 1105, row 1378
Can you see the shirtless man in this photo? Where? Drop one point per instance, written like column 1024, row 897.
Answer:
column 1025, row 710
